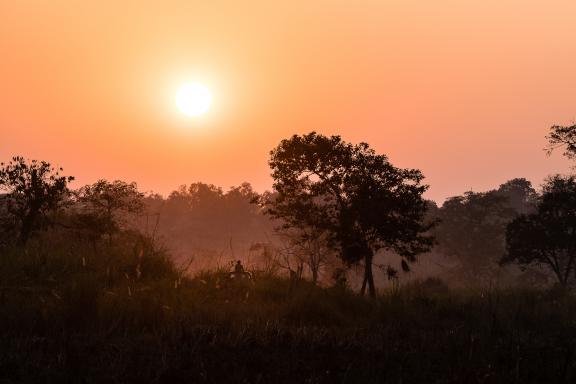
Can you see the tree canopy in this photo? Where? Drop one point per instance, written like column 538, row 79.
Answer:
column 356, row 196
column 548, row 236
column 104, row 204
column 32, row 190
column 562, row 136
column 472, row 227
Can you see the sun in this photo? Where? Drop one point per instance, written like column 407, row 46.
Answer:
column 193, row 99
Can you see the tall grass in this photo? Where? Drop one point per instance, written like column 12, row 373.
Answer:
column 70, row 312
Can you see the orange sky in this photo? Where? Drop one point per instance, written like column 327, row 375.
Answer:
column 463, row 90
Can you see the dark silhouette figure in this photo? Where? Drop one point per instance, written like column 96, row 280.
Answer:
column 238, row 268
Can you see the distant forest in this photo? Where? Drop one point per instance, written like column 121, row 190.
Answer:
column 338, row 214
column 341, row 273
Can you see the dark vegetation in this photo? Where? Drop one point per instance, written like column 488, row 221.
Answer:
column 106, row 284
column 356, row 198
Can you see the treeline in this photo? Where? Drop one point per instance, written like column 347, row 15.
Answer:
column 204, row 222
column 339, row 214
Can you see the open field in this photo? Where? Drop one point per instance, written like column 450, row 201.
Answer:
column 72, row 318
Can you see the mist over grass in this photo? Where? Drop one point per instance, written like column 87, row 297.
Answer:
column 125, row 313
column 107, row 284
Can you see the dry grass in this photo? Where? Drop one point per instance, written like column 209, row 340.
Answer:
column 124, row 314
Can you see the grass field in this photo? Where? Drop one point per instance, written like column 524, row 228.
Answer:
column 126, row 314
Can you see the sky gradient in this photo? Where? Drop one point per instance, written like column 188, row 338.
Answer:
column 463, row 90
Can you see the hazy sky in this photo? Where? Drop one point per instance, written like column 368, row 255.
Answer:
column 463, row 90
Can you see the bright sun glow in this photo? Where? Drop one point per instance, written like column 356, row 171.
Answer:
column 193, row 99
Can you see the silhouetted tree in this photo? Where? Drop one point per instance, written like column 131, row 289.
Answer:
column 471, row 231
column 105, row 203
column 32, row 190
column 200, row 197
column 203, row 220
column 194, row 206
column 472, row 227
column 239, row 210
column 520, row 195
column 548, row 236
column 363, row 202
column 562, row 136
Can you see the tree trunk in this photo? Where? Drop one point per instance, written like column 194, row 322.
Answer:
column 27, row 224
column 368, row 277
column 314, row 276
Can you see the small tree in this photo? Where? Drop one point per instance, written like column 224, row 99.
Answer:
column 104, row 205
column 32, row 190
column 562, row 136
column 357, row 197
column 548, row 236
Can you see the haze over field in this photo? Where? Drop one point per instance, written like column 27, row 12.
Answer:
column 464, row 91
column 306, row 191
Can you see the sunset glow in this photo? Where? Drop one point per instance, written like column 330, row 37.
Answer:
column 303, row 191
column 193, row 99
column 423, row 82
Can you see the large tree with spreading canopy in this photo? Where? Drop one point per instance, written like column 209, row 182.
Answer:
column 361, row 201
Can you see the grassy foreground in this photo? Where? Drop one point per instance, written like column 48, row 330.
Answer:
column 126, row 314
